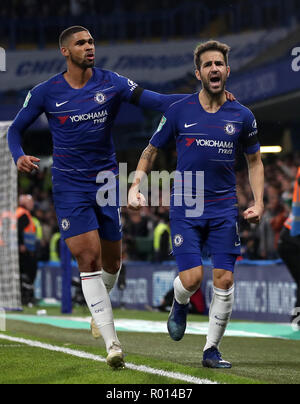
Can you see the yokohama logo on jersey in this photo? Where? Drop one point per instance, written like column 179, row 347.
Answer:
column 214, row 143
column 209, row 143
column 97, row 117
column 90, row 116
column 222, row 146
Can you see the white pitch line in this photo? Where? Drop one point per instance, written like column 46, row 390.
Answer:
column 86, row 355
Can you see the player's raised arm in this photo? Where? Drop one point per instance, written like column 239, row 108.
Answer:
column 256, row 178
column 251, row 147
column 161, row 138
column 135, row 199
column 32, row 108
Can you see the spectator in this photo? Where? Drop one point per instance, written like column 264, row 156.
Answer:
column 27, row 248
column 136, row 225
column 271, row 224
column 162, row 241
column 289, row 246
column 55, row 246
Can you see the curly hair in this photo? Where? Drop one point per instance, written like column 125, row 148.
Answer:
column 210, row 46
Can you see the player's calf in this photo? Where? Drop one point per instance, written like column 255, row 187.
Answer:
column 98, row 301
column 219, row 316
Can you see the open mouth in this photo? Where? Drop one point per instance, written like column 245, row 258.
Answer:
column 90, row 56
column 216, row 80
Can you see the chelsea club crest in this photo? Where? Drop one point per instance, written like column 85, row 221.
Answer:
column 100, row 98
column 230, row 129
column 65, row 224
column 178, row 240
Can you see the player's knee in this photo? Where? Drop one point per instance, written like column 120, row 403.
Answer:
column 88, row 261
column 191, row 280
column 225, row 285
column 112, row 266
column 224, row 281
column 194, row 285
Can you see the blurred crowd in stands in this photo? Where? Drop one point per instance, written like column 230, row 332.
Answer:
column 37, row 24
column 74, row 8
column 261, row 242
column 147, row 233
column 28, row 8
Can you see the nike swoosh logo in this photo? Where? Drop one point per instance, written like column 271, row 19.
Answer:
column 93, row 305
column 237, row 244
column 60, row 104
column 221, row 319
column 189, row 126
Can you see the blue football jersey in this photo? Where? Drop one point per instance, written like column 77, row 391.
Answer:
column 206, row 143
column 80, row 122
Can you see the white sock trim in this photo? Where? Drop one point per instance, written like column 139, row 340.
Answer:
column 222, row 292
column 90, row 274
column 182, row 295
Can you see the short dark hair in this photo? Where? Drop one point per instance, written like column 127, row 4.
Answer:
column 210, row 46
column 67, row 33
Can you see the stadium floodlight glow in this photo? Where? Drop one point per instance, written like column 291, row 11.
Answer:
column 271, row 149
column 2, row 60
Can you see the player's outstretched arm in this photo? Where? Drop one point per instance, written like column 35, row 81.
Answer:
column 161, row 102
column 135, row 199
column 256, row 178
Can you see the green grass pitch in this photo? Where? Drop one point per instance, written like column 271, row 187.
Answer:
column 255, row 360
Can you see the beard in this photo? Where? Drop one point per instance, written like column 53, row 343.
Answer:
column 213, row 92
column 83, row 64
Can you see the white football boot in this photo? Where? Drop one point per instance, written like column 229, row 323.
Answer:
column 115, row 357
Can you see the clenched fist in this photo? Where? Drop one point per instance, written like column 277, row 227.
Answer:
column 136, row 200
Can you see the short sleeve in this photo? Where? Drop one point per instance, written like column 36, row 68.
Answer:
column 165, row 132
column 125, row 87
column 249, row 135
column 34, row 101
